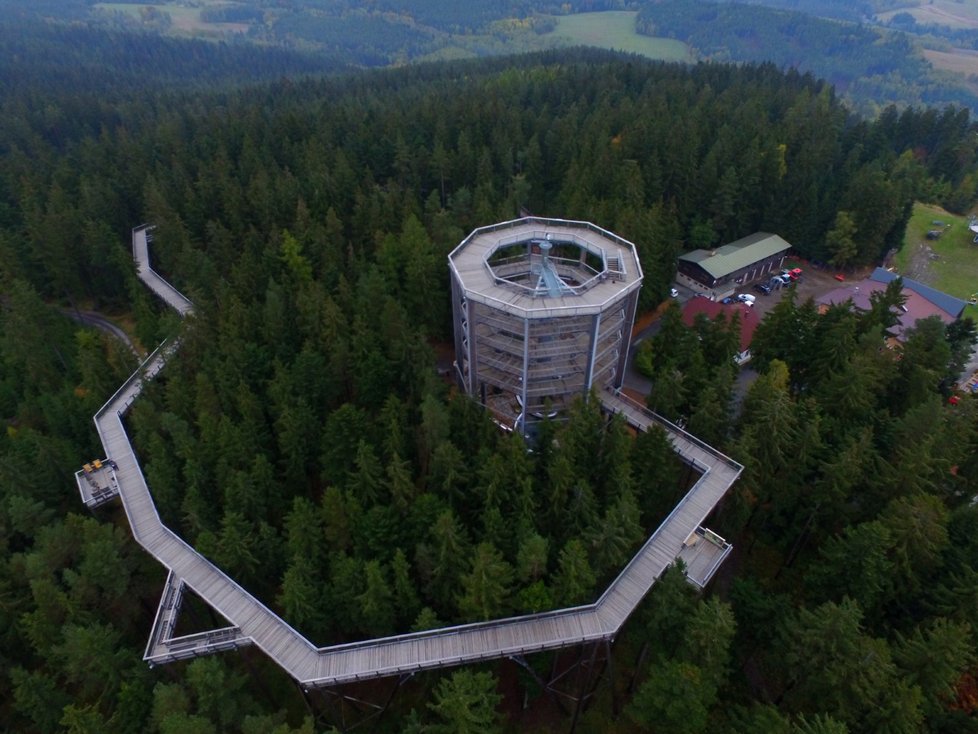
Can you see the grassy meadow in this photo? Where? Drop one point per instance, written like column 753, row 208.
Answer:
column 616, row 30
column 955, row 269
column 185, row 19
column 957, row 61
column 949, row 13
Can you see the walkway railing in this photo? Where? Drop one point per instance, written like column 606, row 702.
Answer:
column 252, row 622
column 615, row 401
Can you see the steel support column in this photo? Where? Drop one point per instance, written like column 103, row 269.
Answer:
column 362, row 711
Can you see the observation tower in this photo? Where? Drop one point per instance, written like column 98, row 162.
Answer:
column 543, row 311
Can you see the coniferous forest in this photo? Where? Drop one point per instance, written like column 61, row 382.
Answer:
column 305, row 438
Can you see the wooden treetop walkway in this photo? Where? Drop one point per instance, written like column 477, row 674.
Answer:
column 251, row 622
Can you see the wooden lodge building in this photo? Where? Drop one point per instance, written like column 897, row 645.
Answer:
column 718, row 273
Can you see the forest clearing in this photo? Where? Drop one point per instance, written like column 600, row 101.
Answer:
column 958, row 60
column 949, row 263
column 185, row 18
column 949, row 13
column 615, row 30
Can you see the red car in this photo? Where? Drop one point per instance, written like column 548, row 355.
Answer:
column 793, row 274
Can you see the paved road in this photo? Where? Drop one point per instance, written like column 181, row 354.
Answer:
column 102, row 323
column 813, row 284
column 633, row 379
column 970, row 367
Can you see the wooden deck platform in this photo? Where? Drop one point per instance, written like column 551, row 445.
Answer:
column 252, row 622
column 97, row 483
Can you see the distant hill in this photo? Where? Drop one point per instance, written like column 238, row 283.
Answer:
column 52, row 57
column 871, row 67
column 851, row 10
column 875, row 52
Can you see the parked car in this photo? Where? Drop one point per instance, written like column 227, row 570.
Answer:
column 728, row 300
column 673, row 293
column 763, row 288
column 793, row 274
column 746, row 298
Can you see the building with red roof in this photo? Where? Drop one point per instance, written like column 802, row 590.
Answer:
column 712, row 309
column 921, row 301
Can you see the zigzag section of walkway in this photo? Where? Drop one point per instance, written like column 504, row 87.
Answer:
column 251, row 622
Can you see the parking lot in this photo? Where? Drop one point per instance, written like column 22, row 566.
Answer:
column 812, row 284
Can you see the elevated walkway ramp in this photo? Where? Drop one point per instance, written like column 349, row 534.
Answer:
column 251, row 622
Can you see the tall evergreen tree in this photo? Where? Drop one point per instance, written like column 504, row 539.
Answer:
column 486, row 588
column 466, row 703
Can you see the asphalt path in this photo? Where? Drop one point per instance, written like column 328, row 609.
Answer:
column 634, row 380
column 102, row 323
column 970, row 367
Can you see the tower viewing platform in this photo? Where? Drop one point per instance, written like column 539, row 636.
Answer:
column 251, row 622
column 543, row 311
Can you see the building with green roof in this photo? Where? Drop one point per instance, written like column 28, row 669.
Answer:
column 718, row 273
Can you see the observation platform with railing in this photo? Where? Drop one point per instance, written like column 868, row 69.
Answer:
column 492, row 259
column 251, row 622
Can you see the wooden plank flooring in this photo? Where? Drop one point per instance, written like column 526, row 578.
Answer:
column 140, row 252
column 419, row 651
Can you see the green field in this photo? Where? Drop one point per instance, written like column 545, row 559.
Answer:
column 616, row 30
column 949, row 13
column 960, row 61
column 955, row 269
column 184, row 18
